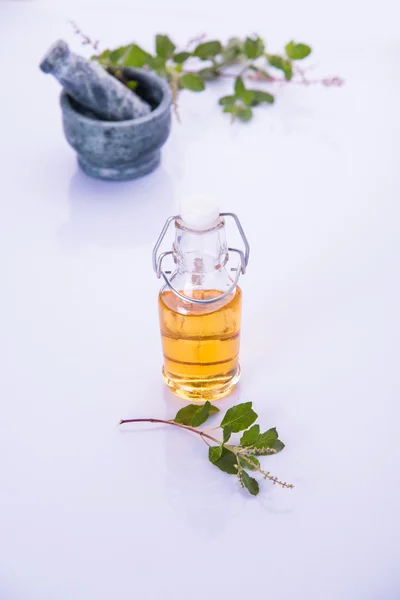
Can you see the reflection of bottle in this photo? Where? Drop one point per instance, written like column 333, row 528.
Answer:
column 195, row 490
column 200, row 306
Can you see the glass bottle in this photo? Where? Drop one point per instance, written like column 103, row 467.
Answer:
column 200, row 304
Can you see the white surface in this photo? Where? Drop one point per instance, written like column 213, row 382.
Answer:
column 92, row 512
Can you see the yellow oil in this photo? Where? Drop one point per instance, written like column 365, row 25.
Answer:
column 200, row 344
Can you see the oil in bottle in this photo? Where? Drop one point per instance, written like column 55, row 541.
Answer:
column 200, row 346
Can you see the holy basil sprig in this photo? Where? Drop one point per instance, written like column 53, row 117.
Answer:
column 234, row 458
column 200, row 62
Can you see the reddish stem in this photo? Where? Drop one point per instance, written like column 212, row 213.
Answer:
column 201, row 433
column 326, row 81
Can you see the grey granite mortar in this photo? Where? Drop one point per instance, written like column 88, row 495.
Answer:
column 119, row 150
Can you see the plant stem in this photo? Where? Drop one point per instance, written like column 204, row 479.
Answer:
column 265, row 474
column 195, row 41
column 326, row 81
column 200, row 433
column 243, row 70
column 175, row 89
column 86, row 40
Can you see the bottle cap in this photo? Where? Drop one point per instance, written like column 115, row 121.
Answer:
column 199, row 212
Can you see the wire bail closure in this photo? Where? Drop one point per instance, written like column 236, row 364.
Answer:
column 241, row 268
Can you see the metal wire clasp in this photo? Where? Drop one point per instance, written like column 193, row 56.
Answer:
column 241, row 268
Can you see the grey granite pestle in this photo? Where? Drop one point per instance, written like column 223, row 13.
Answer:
column 89, row 84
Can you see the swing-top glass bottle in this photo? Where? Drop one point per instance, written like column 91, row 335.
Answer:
column 200, row 304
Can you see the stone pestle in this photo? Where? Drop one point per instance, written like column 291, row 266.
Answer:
column 90, row 85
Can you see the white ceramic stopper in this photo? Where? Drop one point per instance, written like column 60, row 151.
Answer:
column 199, row 212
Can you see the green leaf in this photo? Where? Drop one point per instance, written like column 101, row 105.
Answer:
column 227, row 100
column 244, row 113
column 164, row 46
column 232, row 50
column 157, row 63
column 251, row 463
column 134, row 56
column 278, row 446
column 117, row 54
column 230, row 108
column 103, row 54
column 281, row 63
column 253, row 47
column 297, row 51
column 239, row 87
column 250, row 483
column 192, row 82
column 201, row 415
column 208, row 73
column 214, row 453
column 288, row 71
column 185, row 415
column 250, row 436
column 248, row 97
column 239, row 417
column 102, row 58
column 267, row 439
column 181, row 57
column 227, row 432
column 259, row 96
column 227, row 462
column 275, row 61
column 132, row 85
column 207, row 50
column 267, row 443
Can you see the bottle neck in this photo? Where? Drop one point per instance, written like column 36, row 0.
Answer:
column 200, row 252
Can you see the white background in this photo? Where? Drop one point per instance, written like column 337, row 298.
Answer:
column 90, row 512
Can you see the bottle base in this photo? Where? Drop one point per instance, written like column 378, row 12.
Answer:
column 202, row 389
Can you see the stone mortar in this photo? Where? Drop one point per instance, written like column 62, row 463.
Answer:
column 120, row 150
